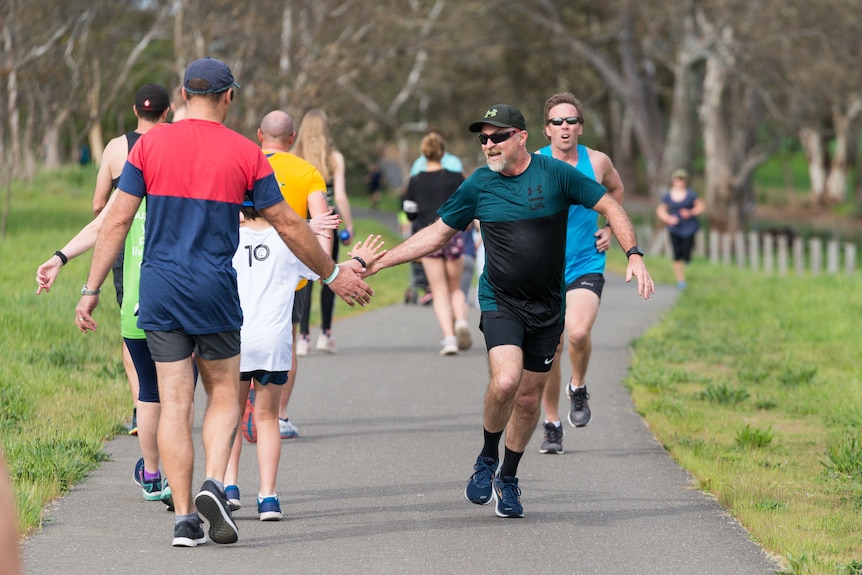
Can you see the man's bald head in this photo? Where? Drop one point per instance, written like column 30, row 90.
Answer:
column 276, row 131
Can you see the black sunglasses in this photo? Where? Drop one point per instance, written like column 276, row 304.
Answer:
column 569, row 120
column 497, row 138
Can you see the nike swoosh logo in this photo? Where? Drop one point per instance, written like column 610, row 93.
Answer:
column 549, row 360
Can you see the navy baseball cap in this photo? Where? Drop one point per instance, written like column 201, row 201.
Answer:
column 208, row 76
column 502, row 116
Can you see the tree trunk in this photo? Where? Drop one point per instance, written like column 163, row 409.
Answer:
column 843, row 123
column 812, row 144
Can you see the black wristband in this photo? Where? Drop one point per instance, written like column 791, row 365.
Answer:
column 62, row 257
column 360, row 260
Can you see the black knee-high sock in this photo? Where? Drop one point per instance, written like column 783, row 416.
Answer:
column 511, row 459
column 492, row 445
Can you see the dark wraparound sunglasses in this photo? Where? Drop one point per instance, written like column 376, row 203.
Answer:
column 569, row 120
column 497, row 138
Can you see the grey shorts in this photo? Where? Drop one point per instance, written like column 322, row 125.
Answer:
column 169, row 346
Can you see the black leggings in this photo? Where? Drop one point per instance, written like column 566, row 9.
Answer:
column 327, row 299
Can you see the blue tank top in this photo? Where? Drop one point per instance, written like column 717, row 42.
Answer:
column 582, row 257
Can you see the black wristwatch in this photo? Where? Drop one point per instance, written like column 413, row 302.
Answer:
column 634, row 251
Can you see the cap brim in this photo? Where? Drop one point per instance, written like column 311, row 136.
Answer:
column 477, row 126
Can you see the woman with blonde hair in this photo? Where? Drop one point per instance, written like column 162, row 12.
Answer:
column 314, row 145
column 425, row 193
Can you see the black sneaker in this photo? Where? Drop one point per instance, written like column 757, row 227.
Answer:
column 189, row 533
column 579, row 414
column 507, row 496
column 213, row 505
column 553, row 442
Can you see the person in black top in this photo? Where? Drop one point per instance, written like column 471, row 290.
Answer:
column 425, row 193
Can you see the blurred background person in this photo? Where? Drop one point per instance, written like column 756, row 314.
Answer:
column 314, row 145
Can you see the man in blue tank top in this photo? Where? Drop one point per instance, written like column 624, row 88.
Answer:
column 586, row 244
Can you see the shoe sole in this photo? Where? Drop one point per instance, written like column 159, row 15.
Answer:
column 498, row 513
column 234, row 505
column 552, row 451
column 467, row 497
column 189, row 542
column 290, row 436
column 222, row 528
column 271, row 516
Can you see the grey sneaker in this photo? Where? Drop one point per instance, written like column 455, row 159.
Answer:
column 553, row 442
column 579, row 414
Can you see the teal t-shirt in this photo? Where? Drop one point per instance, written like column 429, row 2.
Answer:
column 523, row 220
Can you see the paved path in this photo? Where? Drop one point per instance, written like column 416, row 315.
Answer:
column 375, row 485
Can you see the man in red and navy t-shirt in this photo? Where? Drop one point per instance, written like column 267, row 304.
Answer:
column 195, row 175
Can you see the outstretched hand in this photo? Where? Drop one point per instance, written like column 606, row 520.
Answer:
column 47, row 273
column 321, row 224
column 637, row 268
column 369, row 251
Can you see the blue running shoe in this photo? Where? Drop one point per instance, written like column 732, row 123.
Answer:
column 232, row 494
column 269, row 508
column 152, row 488
column 479, row 487
column 507, row 496
column 213, row 505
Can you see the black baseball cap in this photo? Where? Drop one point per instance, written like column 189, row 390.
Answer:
column 208, row 76
column 152, row 98
column 502, row 116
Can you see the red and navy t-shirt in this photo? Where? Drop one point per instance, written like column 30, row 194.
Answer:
column 195, row 175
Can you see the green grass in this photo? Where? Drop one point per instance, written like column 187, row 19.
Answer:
column 752, row 382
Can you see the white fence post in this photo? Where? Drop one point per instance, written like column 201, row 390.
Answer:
column 816, row 255
column 768, row 253
column 799, row 256
column 832, row 256
column 714, row 240
column 739, row 249
column 754, row 250
column 850, row 258
column 782, row 254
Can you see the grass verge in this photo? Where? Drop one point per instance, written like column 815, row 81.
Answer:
column 751, row 383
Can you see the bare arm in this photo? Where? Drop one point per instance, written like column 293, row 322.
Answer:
column 112, row 236
column 340, row 192
column 113, row 159
column 317, row 207
column 625, row 233
column 607, row 175
column 82, row 242
column 419, row 244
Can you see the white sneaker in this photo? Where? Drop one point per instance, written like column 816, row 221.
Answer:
column 302, row 346
column 450, row 346
column 325, row 343
column 287, row 428
column 462, row 333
